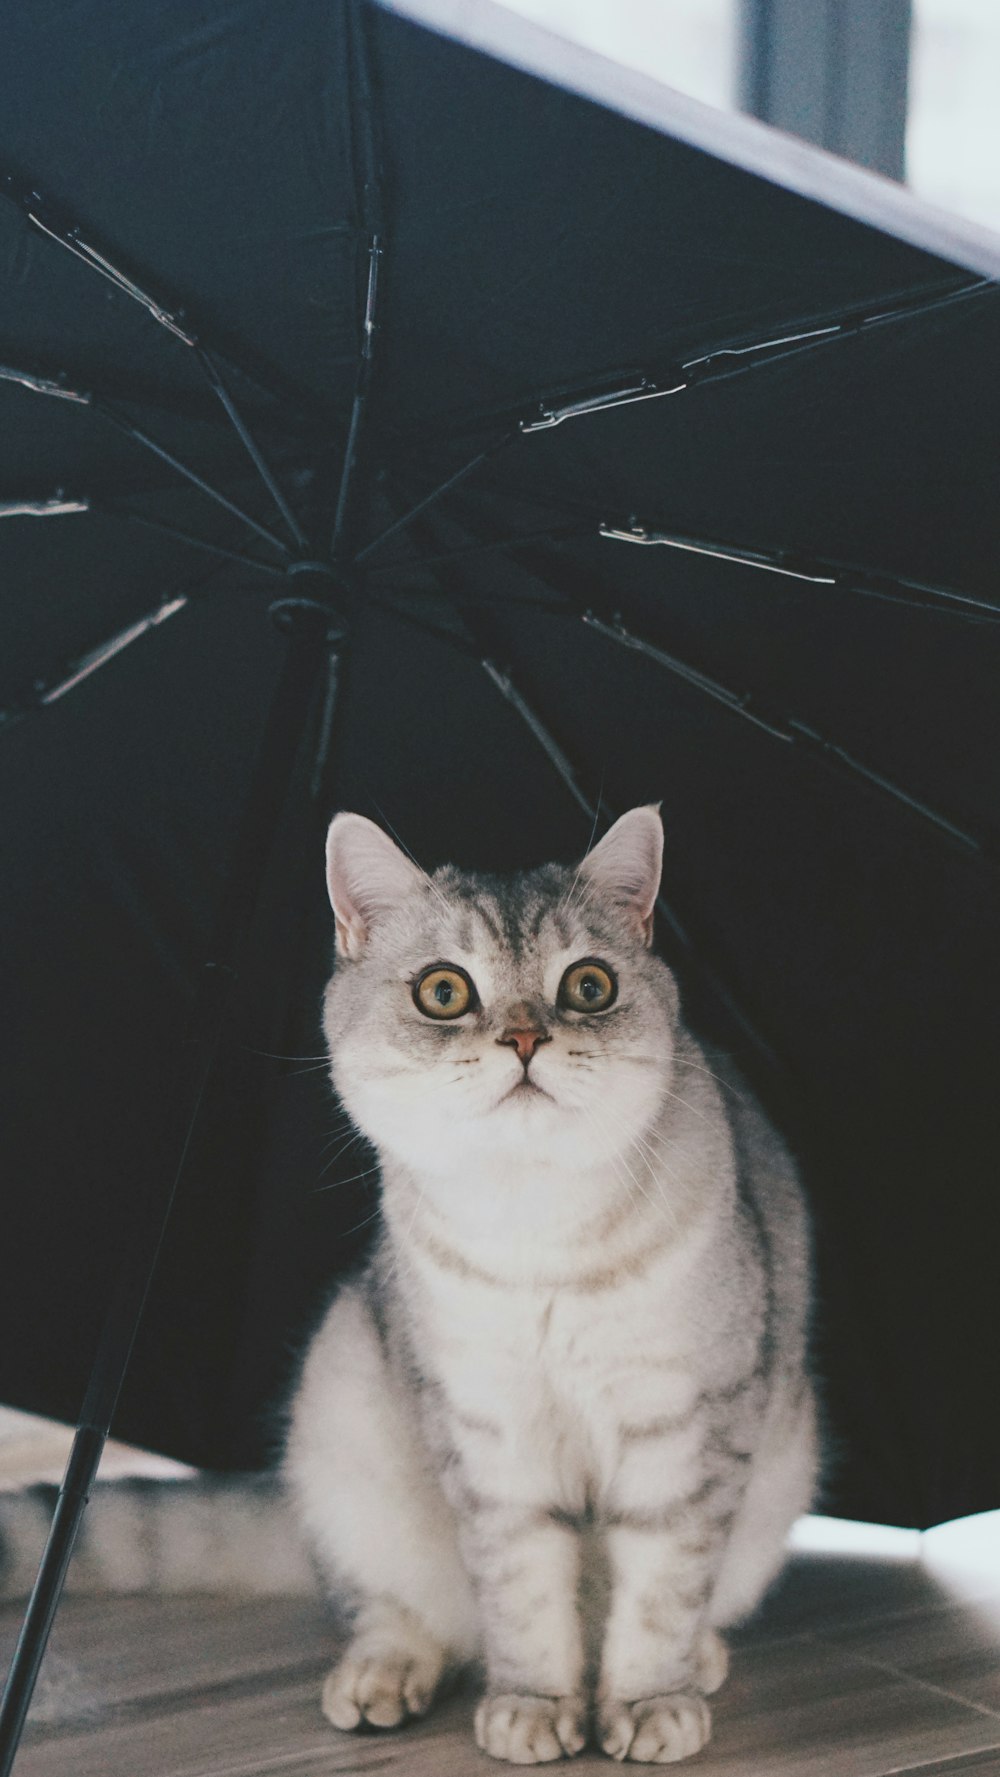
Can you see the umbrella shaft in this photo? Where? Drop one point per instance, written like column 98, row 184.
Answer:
column 276, row 761
column 33, row 1639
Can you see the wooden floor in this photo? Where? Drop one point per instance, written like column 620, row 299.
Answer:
column 857, row 1668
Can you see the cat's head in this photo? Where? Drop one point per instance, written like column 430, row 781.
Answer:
column 472, row 1018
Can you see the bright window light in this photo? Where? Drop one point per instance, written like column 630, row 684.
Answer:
column 688, row 44
column 845, row 1536
column 953, row 132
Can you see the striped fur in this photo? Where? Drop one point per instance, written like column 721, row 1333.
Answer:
column 563, row 1419
column 207, row 1534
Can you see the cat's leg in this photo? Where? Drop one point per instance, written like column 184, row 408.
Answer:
column 381, row 1528
column 659, row 1657
column 526, row 1567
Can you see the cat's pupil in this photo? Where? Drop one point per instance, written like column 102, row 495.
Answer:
column 589, row 988
column 444, row 993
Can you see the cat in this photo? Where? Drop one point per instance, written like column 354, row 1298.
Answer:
column 563, row 1419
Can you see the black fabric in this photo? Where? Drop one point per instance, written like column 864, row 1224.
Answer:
column 533, row 243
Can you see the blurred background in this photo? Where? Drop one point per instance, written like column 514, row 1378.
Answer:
column 907, row 88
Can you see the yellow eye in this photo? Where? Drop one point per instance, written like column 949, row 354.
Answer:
column 443, row 992
column 588, row 987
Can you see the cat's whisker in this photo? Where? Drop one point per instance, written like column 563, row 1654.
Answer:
column 338, row 1184
column 688, row 1106
column 654, row 1146
column 566, row 899
column 403, row 1246
column 431, row 884
column 266, row 1055
column 348, row 1142
column 640, row 1142
column 612, row 1160
column 330, row 1159
column 659, row 1202
column 374, row 1217
column 685, row 1061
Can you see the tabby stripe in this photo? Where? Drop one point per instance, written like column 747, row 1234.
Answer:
column 590, row 1283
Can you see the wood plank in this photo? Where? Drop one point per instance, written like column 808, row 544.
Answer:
column 857, row 1669
column 798, row 1708
column 819, row 1592
column 984, row 1764
column 793, row 1708
column 957, row 1649
column 110, row 1653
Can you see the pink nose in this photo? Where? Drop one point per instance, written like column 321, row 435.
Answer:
column 525, row 1041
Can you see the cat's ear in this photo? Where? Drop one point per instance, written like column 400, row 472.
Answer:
column 625, row 866
column 367, row 876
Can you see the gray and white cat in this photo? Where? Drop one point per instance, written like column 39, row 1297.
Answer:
column 563, row 1419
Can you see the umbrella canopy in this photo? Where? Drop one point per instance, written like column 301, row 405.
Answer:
column 609, row 452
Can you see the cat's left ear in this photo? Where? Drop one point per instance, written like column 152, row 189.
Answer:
column 625, row 866
column 367, row 876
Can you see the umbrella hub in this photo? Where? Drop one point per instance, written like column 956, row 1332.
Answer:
column 325, row 593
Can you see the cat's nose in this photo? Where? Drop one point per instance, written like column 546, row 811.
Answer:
column 525, row 1039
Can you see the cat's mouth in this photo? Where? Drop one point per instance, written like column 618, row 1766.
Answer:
column 523, row 1090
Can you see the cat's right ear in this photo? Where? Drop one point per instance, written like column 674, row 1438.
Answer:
column 625, row 865
column 367, row 876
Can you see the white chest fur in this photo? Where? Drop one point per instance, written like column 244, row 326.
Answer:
column 563, row 1393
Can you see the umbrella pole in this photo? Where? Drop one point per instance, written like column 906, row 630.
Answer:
column 315, row 634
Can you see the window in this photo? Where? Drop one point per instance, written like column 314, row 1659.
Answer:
column 870, row 79
column 953, row 123
column 689, row 44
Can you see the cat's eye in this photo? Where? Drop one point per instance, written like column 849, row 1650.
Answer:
column 589, row 986
column 443, row 992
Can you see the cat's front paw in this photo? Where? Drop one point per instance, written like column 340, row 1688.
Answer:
column 531, row 1730
column 655, row 1730
column 384, row 1690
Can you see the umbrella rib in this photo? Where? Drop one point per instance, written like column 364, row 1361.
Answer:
column 55, row 505
column 789, row 565
column 69, row 235
column 790, row 730
column 431, row 499
column 60, row 391
column 724, row 362
column 61, row 228
column 250, row 445
column 551, row 534
column 618, row 388
column 359, row 403
column 593, row 810
column 43, row 694
column 368, row 203
column 182, row 536
column 124, row 425
column 781, row 726
column 793, row 564
column 709, row 367
column 814, row 570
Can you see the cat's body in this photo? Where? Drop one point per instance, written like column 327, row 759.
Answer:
column 563, row 1419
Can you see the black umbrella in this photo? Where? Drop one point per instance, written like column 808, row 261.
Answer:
column 592, row 448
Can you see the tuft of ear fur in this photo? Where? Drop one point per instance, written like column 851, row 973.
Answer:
column 625, row 866
column 367, row 876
